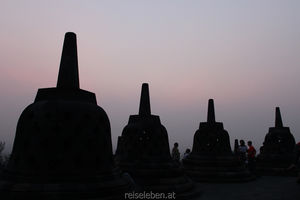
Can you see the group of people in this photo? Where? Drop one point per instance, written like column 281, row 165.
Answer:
column 176, row 153
column 246, row 154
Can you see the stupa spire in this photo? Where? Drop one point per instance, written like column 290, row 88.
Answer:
column 278, row 120
column 68, row 71
column 145, row 109
column 211, row 111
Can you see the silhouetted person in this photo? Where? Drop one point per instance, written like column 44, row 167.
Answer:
column 297, row 152
column 251, row 156
column 242, row 150
column 261, row 149
column 175, row 152
column 236, row 147
column 186, row 153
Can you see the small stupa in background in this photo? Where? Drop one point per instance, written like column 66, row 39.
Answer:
column 211, row 158
column 62, row 148
column 143, row 152
column 278, row 150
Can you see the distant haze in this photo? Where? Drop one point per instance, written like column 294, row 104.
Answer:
column 243, row 54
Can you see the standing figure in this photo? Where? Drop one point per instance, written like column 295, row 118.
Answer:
column 175, row 152
column 236, row 147
column 242, row 150
column 251, row 156
column 186, row 153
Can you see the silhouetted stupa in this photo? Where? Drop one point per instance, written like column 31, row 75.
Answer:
column 211, row 158
column 143, row 151
column 278, row 151
column 62, row 148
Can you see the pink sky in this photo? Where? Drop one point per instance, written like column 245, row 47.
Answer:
column 243, row 54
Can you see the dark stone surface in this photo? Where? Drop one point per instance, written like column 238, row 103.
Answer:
column 211, row 138
column 144, row 138
column 143, row 151
column 263, row 188
column 278, row 151
column 62, row 147
column 211, row 158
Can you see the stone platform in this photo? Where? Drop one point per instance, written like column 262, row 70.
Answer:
column 263, row 188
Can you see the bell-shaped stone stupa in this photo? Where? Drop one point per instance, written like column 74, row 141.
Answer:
column 211, row 158
column 143, row 151
column 278, row 150
column 62, row 148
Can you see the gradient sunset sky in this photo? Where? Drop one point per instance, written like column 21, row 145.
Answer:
column 243, row 54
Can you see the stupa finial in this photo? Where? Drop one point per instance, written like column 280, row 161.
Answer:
column 211, row 111
column 145, row 101
column 68, row 71
column 278, row 120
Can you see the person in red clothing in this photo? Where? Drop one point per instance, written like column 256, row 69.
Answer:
column 251, row 156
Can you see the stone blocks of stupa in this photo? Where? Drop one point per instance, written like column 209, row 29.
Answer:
column 211, row 158
column 62, row 148
column 278, row 150
column 143, row 152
